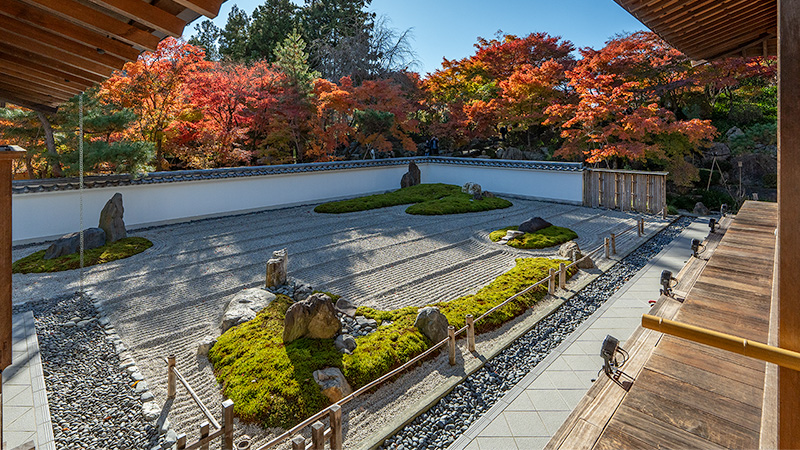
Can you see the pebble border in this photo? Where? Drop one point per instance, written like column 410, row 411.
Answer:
column 452, row 416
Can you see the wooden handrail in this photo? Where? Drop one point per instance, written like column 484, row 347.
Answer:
column 776, row 355
column 206, row 412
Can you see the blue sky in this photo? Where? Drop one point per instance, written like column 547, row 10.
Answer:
column 450, row 28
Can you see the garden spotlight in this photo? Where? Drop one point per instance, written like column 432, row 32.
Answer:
column 695, row 247
column 609, row 351
column 723, row 209
column 666, row 283
column 712, row 223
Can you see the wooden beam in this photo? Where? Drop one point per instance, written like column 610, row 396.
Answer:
column 32, row 96
column 42, row 78
column 145, row 13
column 7, row 155
column 29, row 32
column 44, row 52
column 29, row 57
column 47, row 21
column 789, row 217
column 36, row 68
column 34, row 87
column 10, row 97
column 208, row 8
column 98, row 21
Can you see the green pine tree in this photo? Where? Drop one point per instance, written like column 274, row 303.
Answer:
column 292, row 59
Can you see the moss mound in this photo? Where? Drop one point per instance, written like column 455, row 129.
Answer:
column 546, row 237
column 425, row 199
column 123, row 248
column 272, row 383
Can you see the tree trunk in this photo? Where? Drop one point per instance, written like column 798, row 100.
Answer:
column 29, row 166
column 51, row 143
column 159, row 155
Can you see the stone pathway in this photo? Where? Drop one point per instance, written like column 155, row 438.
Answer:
column 531, row 412
column 26, row 417
column 163, row 301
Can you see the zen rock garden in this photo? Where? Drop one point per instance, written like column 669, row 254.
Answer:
column 110, row 229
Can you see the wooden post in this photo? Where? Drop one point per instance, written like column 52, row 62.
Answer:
column 298, row 443
column 562, row 279
column 613, row 244
column 317, row 436
column 7, row 155
column 227, row 424
column 551, row 281
column 640, row 227
column 204, row 431
column 470, row 333
column 335, row 416
column 451, row 334
column 181, row 443
column 171, row 378
column 607, row 246
column 788, row 217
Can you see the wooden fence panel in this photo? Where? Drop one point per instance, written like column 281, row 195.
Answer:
column 626, row 190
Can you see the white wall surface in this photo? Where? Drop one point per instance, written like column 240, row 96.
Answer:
column 45, row 215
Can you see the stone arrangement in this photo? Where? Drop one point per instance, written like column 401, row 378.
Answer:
column 432, row 324
column 244, row 306
column 453, row 414
column 475, row 190
column 277, row 273
column 510, row 234
column 534, row 224
column 333, row 384
column 411, row 178
column 572, row 251
column 313, row 318
column 110, row 229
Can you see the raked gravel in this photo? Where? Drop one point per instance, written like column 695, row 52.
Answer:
column 453, row 414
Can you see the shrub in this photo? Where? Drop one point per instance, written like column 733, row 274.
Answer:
column 123, row 248
column 546, row 237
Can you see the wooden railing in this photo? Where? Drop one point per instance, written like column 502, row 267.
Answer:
column 626, row 190
column 333, row 434
column 224, row 431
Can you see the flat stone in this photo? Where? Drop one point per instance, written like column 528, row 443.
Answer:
column 140, row 387
column 137, row 376
column 151, row 411
column 147, row 396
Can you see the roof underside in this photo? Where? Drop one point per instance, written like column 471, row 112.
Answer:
column 711, row 29
column 51, row 50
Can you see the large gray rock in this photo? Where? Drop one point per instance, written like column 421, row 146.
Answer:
column 277, row 272
column 111, row 219
column 345, row 343
column 411, row 178
column 700, row 209
column 510, row 153
column 534, row 224
column 345, row 307
column 566, row 249
column 71, row 243
column 314, row 317
column 432, row 324
column 333, row 383
column 244, row 306
column 733, row 133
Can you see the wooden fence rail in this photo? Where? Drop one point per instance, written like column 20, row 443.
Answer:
column 333, row 434
column 626, row 190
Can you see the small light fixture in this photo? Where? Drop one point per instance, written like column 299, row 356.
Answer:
column 723, row 209
column 666, row 283
column 695, row 247
column 609, row 351
column 712, row 223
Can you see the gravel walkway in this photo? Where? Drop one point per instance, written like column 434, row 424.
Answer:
column 166, row 299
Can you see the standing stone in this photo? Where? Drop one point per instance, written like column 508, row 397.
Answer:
column 111, row 219
column 700, row 209
column 432, row 323
column 314, row 317
column 71, row 243
column 566, row 249
column 276, row 268
column 534, row 224
column 333, row 383
column 411, row 178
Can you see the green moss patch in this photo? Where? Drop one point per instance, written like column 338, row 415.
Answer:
column 546, row 237
column 425, row 199
column 272, row 383
column 123, row 248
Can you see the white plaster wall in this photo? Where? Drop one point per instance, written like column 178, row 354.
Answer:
column 559, row 186
column 46, row 215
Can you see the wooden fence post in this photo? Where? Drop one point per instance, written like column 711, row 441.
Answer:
column 204, row 430
column 451, row 334
column 607, row 247
column 317, row 436
column 181, row 442
column 562, row 279
column 613, row 244
column 336, row 427
column 470, row 333
column 298, row 443
column 171, row 378
column 551, row 281
column 227, row 424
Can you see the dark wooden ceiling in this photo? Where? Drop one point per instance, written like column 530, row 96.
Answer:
column 710, row 29
column 51, row 50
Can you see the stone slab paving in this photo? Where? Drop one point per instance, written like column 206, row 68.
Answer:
column 26, row 417
column 165, row 300
column 531, row 412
